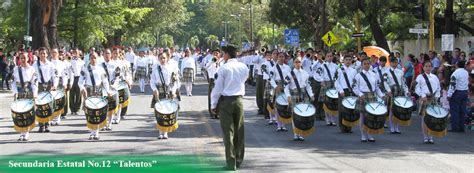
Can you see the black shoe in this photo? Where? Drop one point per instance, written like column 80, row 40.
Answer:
column 363, row 140
column 46, row 129
column 328, row 124
column 371, row 140
column 123, row 117
column 284, row 129
column 393, row 132
column 96, row 138
column 41, row 129
column 333, row 124
column 108, row 129
column 346, row 131
column 398, row 133
column 91, row 137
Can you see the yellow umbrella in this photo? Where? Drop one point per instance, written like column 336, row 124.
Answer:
column 377, row 51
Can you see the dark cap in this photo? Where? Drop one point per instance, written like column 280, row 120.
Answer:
column 230, row 50
column 393, row 59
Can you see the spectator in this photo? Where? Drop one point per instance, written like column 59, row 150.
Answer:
column 456, row 56
column 435, row 60
column 3, row 70
column 457, row 96
column 409, row 70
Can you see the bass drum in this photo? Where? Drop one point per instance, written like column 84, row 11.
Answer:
column 435, row 120
column 374, row 119
column 402, row 108
column 112, row 102
column 331, row 99
column 124, row 97
column 349, row 113
column 96, row 112
column 44, row 107
column 23, row 115
column 166, row 114
column 303, row 118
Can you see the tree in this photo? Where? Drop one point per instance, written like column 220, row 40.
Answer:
column 166, row 40
column 44, row 15
column 194, row 41
column 211, row 40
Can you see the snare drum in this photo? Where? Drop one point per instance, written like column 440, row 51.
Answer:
column 303, row 118
column 331, row 101
column 401, row 110
column 96, row 112
column 23, row 115
column 374, row 119
column 282, row 108
column 59, row 102
column 44, row 107
column 123, row 94
column 435, row 120
column 166, row 112
column 349, row 113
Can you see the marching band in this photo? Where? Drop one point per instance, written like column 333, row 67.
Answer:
column 353, row 92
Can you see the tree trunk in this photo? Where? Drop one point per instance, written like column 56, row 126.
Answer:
column 448, row 14
column 75, row 28
column 379, row 36
column 44, row 15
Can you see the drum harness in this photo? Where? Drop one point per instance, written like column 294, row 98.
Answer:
column 41, row 75
column 281, row 78
column 299, row 88
column 381, row 79
column 162, row 79
column 347, row 82
column 369, row 86
column 429, row 86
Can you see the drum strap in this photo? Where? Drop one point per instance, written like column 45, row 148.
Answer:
column 92, row 77
column 381, row 78
column 281, row 74
column 329, row 72
column 366, row 81
column 428, row 83
column 20, row 73
column 295, row 79
column 346, row 79
column 162, row 79
column 106, row 71
column 40, row 72
column 395, row 79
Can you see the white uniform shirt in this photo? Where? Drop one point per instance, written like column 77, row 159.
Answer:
column 230, row 81
column 29, row 75
column 99, row 75
column 48, row 72
column 77, row 64
column 258, row 60
column 324, row 76
column 303, row 80
column 459, row 81
column 399, row 76
column 62, row 71
column 381, row 71
column 130, row 57
column 341, row 83
column 285, row 70
column 422, row 89
column 316, row 74
column 188, row 63
column 360, row 85
column 307, row 64
column 267, row 74
column 212, row 70
column 167, row 70
column 111, row 67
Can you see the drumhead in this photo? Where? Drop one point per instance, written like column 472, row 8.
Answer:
column 111, row 90
column 332, row 93
column 122, row 85
column 95, row 102
column 380, row 100
column 44, row 98
column 376, row 108
column 403, row 102
column 58, row 94
column 166, row 106
column 304, row 109
column 22, row 105
column 349, row 102
column 436, row 111
column 282, row 100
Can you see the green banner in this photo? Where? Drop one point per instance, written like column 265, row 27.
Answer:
column 106, row 163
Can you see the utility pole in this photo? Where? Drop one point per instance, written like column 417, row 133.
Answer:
column 357, row 23
column 432, row 23
column 251, row 25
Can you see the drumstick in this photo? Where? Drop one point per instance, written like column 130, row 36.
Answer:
column 378, row 105
column 371, row 106
column 406, row 100
column 398, row 102
column 298, row 108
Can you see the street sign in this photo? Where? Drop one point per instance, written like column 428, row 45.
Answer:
column 357, row 34
column 447, row 42
column 418, row 31
column 329, row 39
column 28, row 38
column 223, row 43
column 292, row 37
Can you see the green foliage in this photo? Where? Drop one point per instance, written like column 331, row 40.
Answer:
column 194, row 41
column 166, row 40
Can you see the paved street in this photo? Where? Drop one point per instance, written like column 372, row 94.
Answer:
column 327, row 150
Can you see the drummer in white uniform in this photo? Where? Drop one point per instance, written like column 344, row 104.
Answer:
column 365, row 87
column 344, row 86
column 429, row 91
column 396, row 81
column 93, row 86
column 164, row 82
column 47, row 81
column 126, row 77
column 280, row 78
column 112, row 72
column 188, row 71
column 142, row 69
column 63, row 74
column 211, row 70
column 267, row 76
column 24, row 86
column 298, row 90
column 327, row 75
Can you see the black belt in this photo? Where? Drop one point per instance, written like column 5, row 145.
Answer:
column 231, row 97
